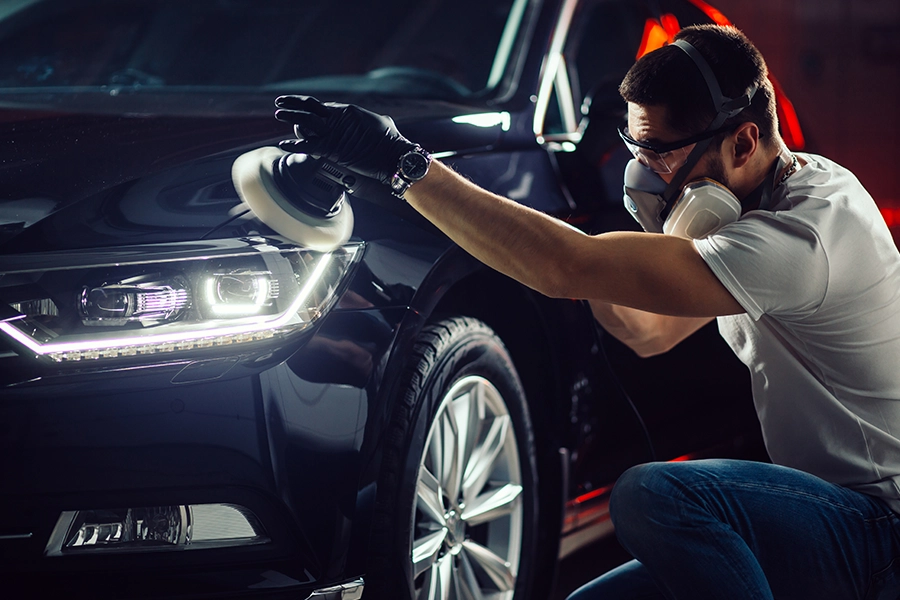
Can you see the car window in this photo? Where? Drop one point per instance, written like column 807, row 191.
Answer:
column 441, row 48
column 603, row 43
column 554, row 123
column 561, row 117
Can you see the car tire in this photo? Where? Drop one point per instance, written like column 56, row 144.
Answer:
column 456, row 510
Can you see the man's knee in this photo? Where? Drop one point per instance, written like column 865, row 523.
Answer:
column 647, row 495
column 663, row 495
column 639, row 485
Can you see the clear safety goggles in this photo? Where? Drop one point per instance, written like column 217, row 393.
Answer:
column 665, row 158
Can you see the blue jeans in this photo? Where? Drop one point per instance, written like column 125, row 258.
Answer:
column 731, row 529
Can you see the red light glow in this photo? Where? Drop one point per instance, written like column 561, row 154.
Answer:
column 655, row 37
column 590, row 495
column 670, row 24
column 713, row 13
column 891, row 214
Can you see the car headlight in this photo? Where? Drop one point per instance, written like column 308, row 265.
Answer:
column 160, row 299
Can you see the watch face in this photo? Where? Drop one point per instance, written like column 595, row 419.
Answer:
column 413, row 166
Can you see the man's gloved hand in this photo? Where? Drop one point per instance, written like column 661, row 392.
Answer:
column 348, row 135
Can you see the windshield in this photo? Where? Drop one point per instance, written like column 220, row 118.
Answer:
column 443, row 49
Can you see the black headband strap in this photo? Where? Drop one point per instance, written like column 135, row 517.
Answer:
column 725, row 107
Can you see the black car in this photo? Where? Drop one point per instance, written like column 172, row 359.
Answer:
column 192, row 406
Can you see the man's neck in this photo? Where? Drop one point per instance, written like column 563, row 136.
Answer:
column 780, row 159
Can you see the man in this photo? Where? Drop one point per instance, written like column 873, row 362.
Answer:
column 806, row 289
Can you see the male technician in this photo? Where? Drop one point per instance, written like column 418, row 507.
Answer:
column 806, row 288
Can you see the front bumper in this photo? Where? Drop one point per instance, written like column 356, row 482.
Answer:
column 264, row 438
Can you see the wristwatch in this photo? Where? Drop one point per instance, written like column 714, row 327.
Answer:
column 412, row 167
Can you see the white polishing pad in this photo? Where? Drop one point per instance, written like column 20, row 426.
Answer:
column 253, row 178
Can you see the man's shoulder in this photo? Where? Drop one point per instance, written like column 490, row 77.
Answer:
column 821, row 176
column 821, row 187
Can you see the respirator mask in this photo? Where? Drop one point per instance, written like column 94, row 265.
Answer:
column 703, row 206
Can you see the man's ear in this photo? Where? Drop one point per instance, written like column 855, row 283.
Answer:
column 745, row 143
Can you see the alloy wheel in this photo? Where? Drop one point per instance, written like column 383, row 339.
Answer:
column 467, row 534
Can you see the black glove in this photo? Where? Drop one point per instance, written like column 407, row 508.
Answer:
column 348, row 135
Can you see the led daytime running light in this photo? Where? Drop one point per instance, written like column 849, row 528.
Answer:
column 250, row 328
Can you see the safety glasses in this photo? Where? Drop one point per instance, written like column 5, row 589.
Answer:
column 665, row 158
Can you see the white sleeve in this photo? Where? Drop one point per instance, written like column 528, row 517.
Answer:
column 772, row 264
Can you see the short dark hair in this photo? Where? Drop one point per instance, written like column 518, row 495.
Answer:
column 668, row 77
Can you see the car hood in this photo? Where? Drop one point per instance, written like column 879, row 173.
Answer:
column 72, row 179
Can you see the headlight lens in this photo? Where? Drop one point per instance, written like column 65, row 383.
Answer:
column 233, row 293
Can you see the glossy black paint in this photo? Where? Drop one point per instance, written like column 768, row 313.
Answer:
column 293, row 430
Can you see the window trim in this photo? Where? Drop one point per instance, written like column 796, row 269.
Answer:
column 555, row 77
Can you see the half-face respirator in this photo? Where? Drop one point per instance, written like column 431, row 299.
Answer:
column 702, row 206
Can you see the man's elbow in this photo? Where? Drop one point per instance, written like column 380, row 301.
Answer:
column 648, row 350
column 644, row 344
column 659, row 340
column 553, row 285
column 560, row 280
column 647, row 343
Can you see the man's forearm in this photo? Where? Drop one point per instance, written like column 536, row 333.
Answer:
column 525, row 244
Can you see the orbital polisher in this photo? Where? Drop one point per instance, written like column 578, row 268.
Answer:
column 302, row 198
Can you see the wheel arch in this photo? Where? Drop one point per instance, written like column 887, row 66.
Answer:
column 515, row 316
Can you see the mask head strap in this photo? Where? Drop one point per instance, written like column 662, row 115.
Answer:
column 725, row 109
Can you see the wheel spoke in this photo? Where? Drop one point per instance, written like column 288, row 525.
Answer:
column 440, row 580
column 451, row 476
column 497, row 569
column 454, row 436
column 473, row 415
column 462, row 409
column 425, row 551
column 436, row 450
column 492, row 505
column 469, row 588
column 482, row 462
column 430, row 496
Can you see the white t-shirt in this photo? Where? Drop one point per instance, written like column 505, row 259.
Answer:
column 819, row 277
